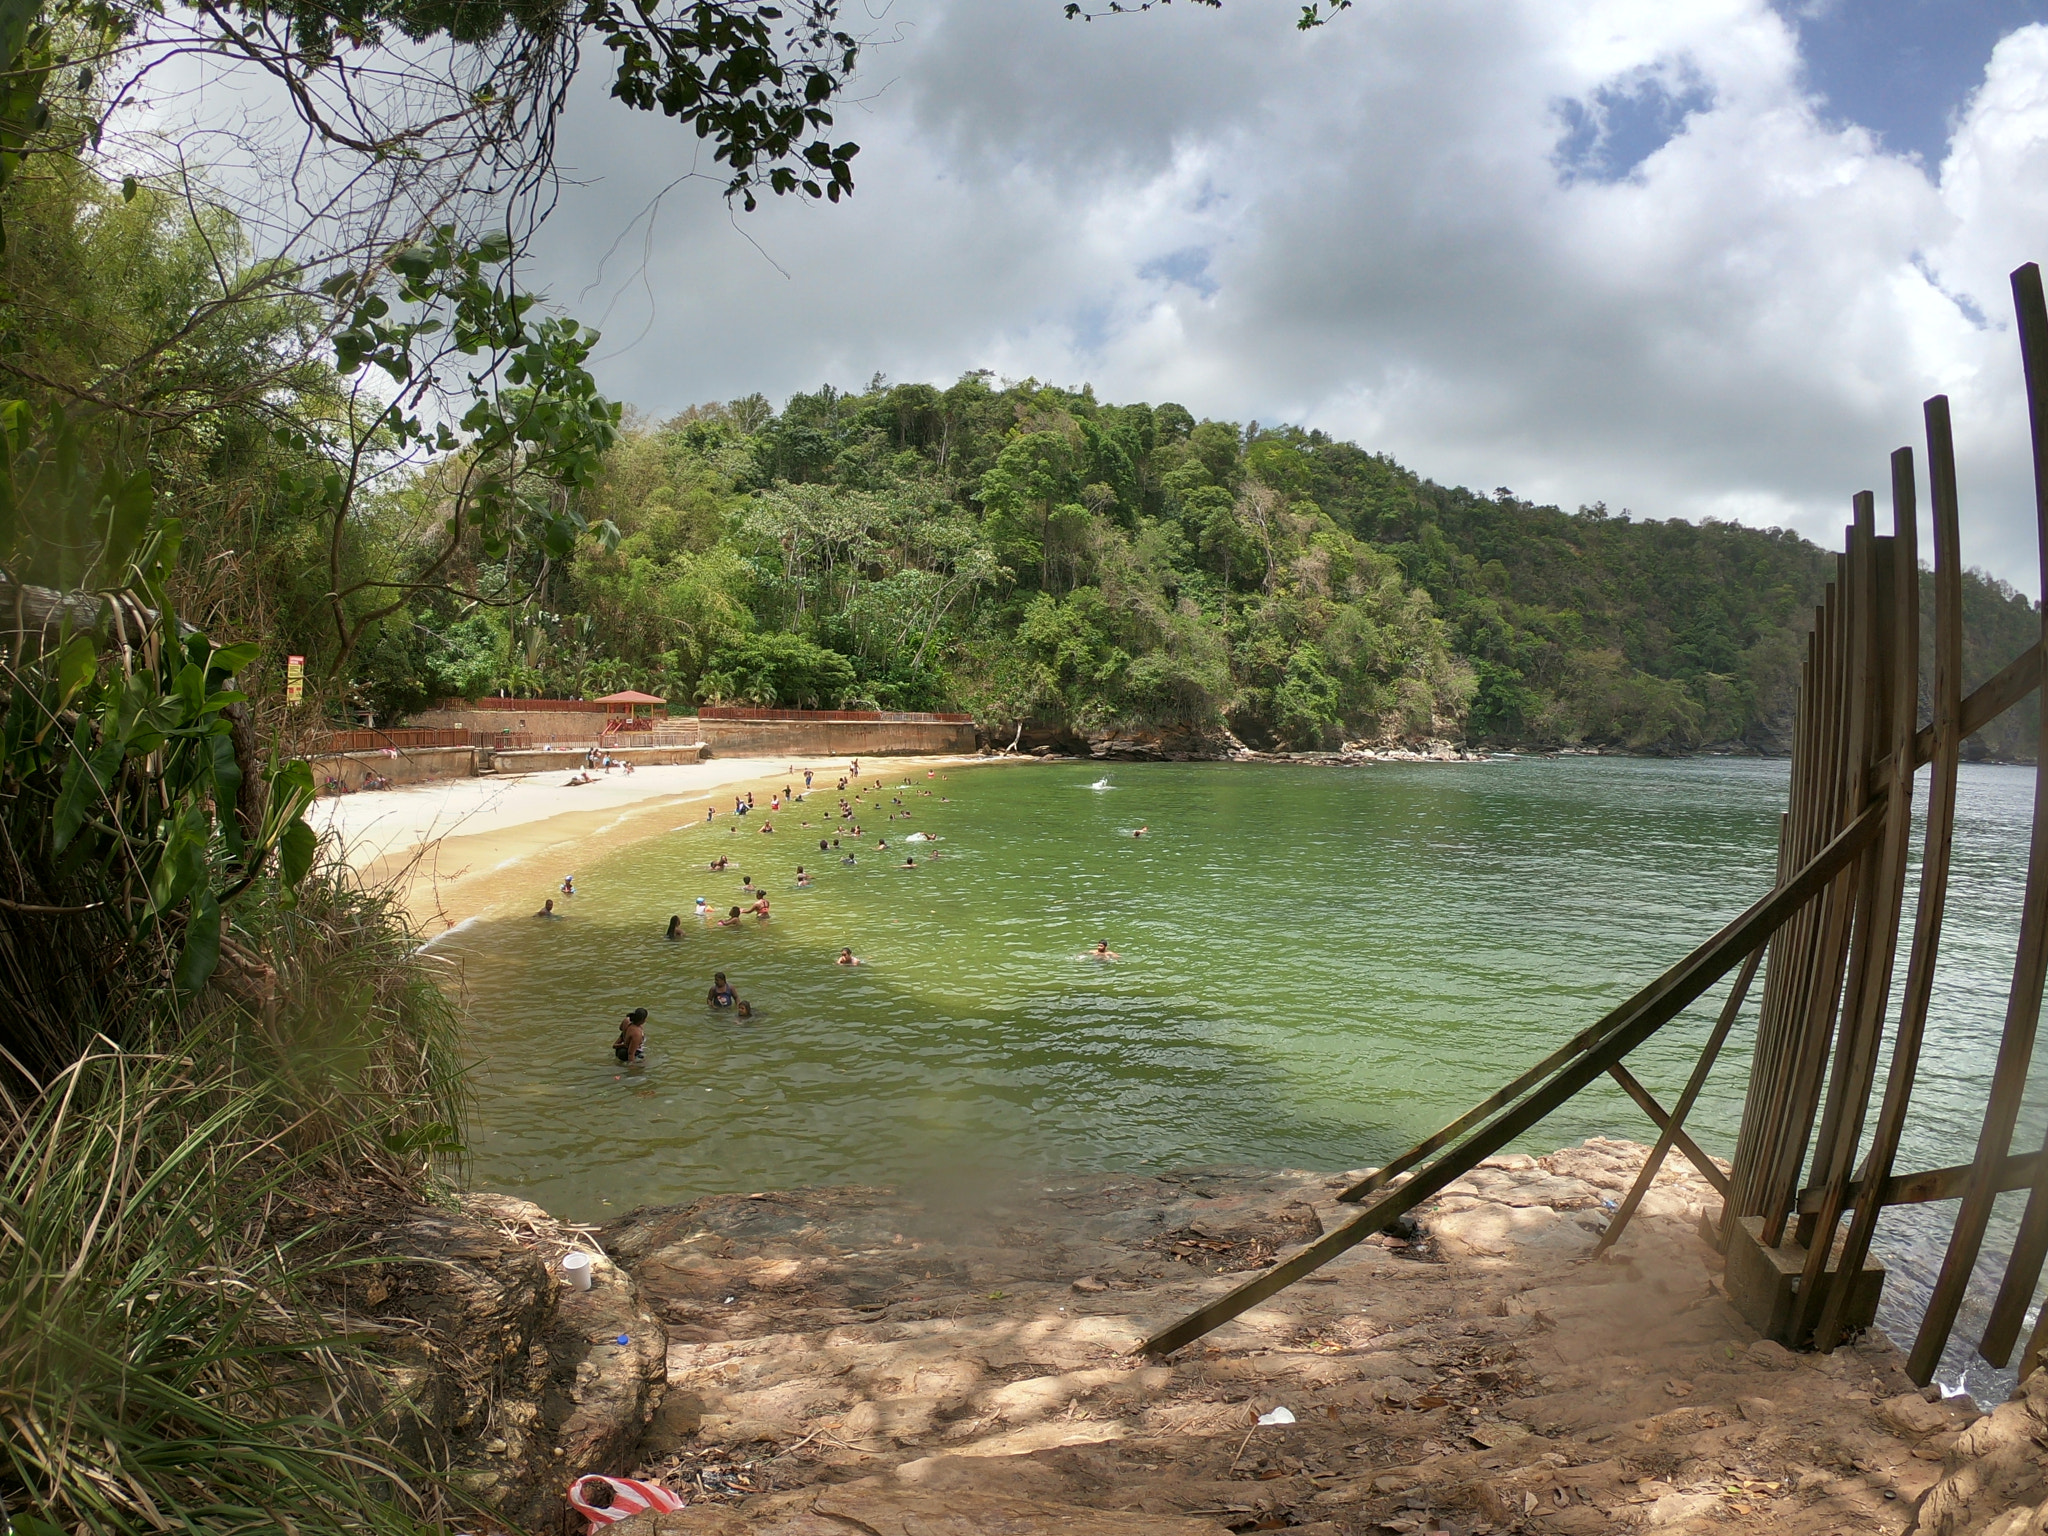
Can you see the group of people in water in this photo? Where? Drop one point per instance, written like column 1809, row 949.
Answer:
column 631, row 1045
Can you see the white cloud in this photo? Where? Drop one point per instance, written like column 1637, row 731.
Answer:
column 1367, row 229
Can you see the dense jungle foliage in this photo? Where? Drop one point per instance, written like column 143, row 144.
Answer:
column 1031, row 554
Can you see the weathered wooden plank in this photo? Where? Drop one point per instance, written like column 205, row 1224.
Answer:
column 1709, row 1169
column 1934, row 1184
column 1918, row 992
column 2030, row 969
column 2011, row 683
column 1647, row 1175
column 1627, row 1027
column 2030, row 961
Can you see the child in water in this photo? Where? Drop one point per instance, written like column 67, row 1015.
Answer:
column 721, row 994
column 744, row 1010
column 675, row 928
column 703, row 907
column 731, row 919
column 802, row 879
column 846, row 958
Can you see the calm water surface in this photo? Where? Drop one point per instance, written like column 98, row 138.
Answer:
column 1318, row 967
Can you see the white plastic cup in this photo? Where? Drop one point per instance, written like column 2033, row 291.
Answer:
column 576, row 1270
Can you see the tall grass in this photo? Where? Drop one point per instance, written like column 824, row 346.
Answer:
column 174, row 1214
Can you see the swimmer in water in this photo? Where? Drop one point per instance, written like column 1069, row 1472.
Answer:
column 731, row 919
column 910, row 863
column 675, row 927
column 760, row 908
column 632, row 1042
column 547, row 909
column 703, row 907
column 801, row 877
column 846, row 958
column 721, row 994
column 568, row 885
column 1142, row 830
column 1102, row 951
column 744, row 1010
column 847, row 860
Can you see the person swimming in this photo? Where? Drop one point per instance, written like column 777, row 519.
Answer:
column 632, row 1042
column 743, row 1009
column 547, row 909
column 846, row 957
column 731, row 919
column 721, row 994
column 910, row 863
column 1142, row 830
column 746, row 885
column 760, row 908
column 703, row 907
column 1101, row 951
column 675, row 927
column 568, row 885
column 801, row 877
column 848, row 859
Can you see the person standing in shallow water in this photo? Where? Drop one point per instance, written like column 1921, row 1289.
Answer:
column 721, row 994
column 632, row 1042
column 675, row 928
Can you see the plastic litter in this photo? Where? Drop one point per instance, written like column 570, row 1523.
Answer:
column 605, row 1500
column 576, row 1270
column 625, row 1338
column 1277, row 1416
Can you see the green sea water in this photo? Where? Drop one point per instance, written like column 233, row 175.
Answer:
column 1317, row 967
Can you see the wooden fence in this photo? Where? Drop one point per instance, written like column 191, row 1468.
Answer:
column 1826, row 938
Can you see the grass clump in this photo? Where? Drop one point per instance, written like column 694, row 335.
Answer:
column 174, row 1219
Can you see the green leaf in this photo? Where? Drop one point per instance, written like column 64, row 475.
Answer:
column 227, row 787
column 86, row 778
column 129, row 503
column 129, row 187
column 201, row 952
column 75, row 668
column 295, row 852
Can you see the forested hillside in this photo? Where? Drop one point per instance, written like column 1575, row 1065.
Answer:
column 1030, row 553
column 1020, row 550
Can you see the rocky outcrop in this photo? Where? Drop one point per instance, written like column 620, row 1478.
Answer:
column 853, row 1359
column 493, row 1365
column 1994, row 1471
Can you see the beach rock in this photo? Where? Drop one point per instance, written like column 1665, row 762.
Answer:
column 506, row 1374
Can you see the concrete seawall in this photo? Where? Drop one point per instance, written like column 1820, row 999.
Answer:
column 407, row 765
column 538, row 761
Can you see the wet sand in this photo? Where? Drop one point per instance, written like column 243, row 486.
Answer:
column 464, row 848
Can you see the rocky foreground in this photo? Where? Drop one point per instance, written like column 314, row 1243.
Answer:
column 847, row 1361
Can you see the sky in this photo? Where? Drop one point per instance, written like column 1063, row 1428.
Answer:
column 1692, row 260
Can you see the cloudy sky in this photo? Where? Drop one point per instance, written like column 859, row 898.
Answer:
column 1694, row 259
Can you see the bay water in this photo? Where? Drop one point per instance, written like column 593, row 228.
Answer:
column 1316, row 967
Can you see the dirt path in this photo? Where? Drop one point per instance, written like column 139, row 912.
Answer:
column 845, row 1361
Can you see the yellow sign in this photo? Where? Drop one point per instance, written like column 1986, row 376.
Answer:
column 294, row 679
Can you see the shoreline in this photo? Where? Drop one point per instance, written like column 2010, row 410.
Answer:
column 460, row 849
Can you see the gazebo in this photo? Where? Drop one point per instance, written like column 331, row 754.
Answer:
column 629, row 711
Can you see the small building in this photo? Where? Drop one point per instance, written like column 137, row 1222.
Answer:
column 630, row 711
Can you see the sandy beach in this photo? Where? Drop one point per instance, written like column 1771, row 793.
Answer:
column 464, row 848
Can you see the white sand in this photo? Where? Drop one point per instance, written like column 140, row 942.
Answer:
column 460, row 848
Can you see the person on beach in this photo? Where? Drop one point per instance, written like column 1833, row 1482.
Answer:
column 632, row 1042
column 846, row 957
column 731, row 919
column 675, row 927
column 721, row 994
column 1102, row 951
column 750, row 799
column 807, row 780
column 802, row 879
column 547, row 908
column 708, row 812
